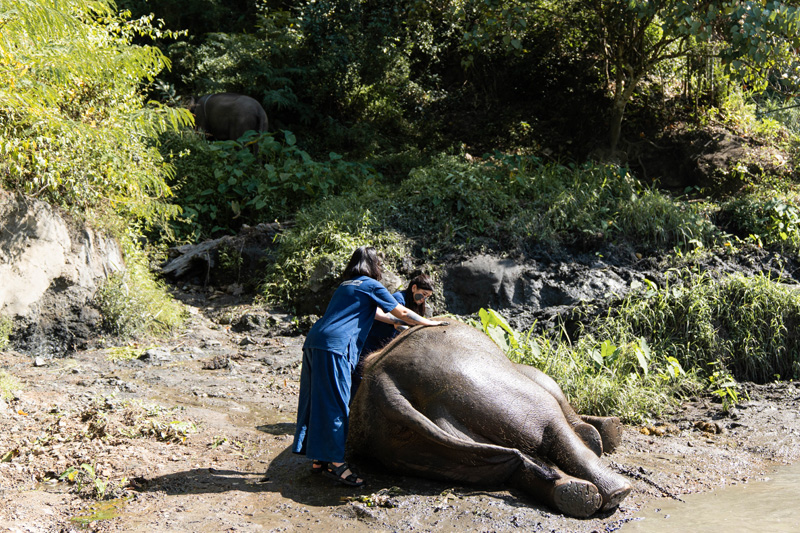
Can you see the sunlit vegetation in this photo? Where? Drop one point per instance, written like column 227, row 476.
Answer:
column 76, row 127
column 315, row 251
column 603, row 378
column 743, row 325
column 660, row 345
column 135, row 304
column 6, row 327
column 476, row 126
column 768, row 217
column 8, row 384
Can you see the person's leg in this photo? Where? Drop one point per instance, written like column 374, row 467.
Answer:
column 303, row 404
column 329, row 406
column 330, row 415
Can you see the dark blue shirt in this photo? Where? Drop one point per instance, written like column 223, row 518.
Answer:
column 381, row 332
column 349, row 316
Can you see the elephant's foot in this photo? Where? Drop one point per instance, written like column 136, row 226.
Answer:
column 610, row 429
column 612, row 501
column 576, row 497
column 590, row 436
column 613, row 488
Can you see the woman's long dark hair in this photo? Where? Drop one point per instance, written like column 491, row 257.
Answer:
column 364, row 262
column 423, row 283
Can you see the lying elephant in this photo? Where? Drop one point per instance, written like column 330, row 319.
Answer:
column 446, row 403
column 227, row 116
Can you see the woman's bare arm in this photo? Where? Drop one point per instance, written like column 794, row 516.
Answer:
column 402, row 315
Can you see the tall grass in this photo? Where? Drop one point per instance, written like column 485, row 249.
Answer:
column 134, row 303
column 744, row 325
column 600, row 378
column 514, row 200
column 660, row 344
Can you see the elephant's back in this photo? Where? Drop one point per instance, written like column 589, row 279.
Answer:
column 431, row 356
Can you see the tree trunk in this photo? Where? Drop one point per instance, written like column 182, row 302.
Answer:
column 617, row 113
column 622, row 94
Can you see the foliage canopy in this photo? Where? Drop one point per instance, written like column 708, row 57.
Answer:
column 75, row 125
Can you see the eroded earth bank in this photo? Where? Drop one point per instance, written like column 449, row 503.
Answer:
column 192, row 433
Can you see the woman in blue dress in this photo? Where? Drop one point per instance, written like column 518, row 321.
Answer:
column 384, row 329
column 330, row 354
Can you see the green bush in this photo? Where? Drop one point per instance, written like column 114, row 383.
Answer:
column 134, row 304
column 313, row 254
column 768, row 217
column 222, row 185
column 6, row 328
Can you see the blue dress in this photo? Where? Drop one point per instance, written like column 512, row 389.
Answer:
column 330, row 354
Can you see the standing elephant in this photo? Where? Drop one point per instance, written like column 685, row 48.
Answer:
column 227, row 116
column 446, row 403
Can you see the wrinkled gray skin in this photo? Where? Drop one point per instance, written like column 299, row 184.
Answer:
column 445, row 403
column 227, row 116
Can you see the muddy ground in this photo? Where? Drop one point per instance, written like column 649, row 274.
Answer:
column 192, row 433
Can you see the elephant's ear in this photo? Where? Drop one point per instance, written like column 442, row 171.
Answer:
column 430, row 451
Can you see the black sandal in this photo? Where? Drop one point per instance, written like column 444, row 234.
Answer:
column 337, row 473
column 318, row 466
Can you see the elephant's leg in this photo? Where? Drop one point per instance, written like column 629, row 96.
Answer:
column 610, row 429
column 587, row 431
column 566, row 449
column 534, row 423
column 569, row 495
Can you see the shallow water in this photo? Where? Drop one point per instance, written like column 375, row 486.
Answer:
column 756, row 507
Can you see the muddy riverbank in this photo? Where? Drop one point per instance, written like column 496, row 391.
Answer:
column 191, row 433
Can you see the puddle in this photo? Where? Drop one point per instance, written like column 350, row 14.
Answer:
column 99, row 511
column 754, row 507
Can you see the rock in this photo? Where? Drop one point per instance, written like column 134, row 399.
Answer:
column 155, row 355
column 709, row 427
column 217, row 362
column 280, row 362
column 501, row 283
column 251, row 322
column 51, row 267
column 40, row 361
